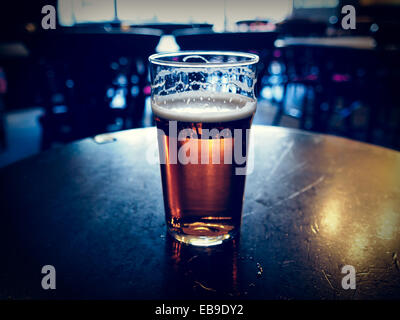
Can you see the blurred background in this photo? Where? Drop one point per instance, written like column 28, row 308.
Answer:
column 89, row 75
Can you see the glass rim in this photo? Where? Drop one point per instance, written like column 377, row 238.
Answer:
column 157, row 59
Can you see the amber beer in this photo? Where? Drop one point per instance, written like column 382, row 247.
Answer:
column 203, row 188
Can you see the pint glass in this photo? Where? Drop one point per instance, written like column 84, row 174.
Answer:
column 203, row 105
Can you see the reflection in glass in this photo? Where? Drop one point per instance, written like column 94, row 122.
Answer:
column 207, row 272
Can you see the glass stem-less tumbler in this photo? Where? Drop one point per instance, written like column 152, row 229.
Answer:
column 203, row 104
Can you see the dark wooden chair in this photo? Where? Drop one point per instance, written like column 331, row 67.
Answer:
column 3, row 89
column 301, row 66
column 353, row 77
column 80, row 66
column 326, row 73
column 3, row 141
column 385, row 98
column 348, row 74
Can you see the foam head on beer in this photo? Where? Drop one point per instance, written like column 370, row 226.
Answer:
column 203, row 106
column 203, row 112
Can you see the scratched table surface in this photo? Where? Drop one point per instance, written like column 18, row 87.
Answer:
column 313, row 205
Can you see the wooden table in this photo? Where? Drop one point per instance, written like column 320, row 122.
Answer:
column 313, row 204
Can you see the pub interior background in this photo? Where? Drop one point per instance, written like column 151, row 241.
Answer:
column 90, row 75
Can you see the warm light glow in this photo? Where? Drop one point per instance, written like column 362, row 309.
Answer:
column 331, row 216
column 359, row 245
column 125, row 27
column 389, row 225
column 30, row 27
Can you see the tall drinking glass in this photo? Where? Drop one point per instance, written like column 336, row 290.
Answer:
column 203, row 104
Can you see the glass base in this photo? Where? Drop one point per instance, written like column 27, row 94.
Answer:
column 202, row 241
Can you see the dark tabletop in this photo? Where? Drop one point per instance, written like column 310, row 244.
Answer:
column 94, row 211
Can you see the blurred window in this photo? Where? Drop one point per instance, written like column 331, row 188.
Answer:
column 309, row 4
column 220, row 13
